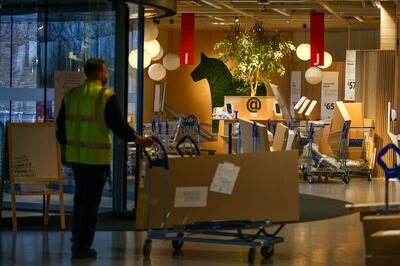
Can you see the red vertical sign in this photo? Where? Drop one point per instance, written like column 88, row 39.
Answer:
column 317, row 39
column 187, row 39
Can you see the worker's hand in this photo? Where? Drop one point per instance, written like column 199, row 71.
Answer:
column 144, row 141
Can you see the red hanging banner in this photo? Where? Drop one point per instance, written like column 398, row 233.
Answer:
column 187, row 39
column 317, row 39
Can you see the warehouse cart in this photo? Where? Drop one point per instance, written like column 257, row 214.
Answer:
column 221, row 232
column 322, row 165
column 362, row 167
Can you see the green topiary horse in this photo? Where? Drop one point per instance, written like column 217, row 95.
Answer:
column 219, row 79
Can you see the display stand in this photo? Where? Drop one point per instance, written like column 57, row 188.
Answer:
column 32, row 161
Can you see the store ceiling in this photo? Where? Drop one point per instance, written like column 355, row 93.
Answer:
column 276, row 15
column 281, row 15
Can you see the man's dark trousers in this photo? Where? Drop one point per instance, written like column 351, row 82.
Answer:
column 89, row 183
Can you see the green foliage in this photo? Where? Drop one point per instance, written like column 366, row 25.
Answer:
column 255, row 53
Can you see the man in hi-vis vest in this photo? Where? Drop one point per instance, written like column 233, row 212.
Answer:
column 84, row 123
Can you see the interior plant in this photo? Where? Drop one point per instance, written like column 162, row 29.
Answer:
column 256, row 54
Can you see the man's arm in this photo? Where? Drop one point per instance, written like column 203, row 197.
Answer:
column 116, row 122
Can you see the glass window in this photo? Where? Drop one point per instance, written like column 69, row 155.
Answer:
column 29, row 63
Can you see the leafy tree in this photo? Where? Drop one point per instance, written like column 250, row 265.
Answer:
column 256, row 54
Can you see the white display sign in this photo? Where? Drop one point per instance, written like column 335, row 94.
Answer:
column 295, row 90
column 350, row 76
column 329, row 93
column 190, row 197
column 225, row 178
column 63, row 82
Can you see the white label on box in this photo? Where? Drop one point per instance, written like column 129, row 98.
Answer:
column 190, row 197
column 225, row 178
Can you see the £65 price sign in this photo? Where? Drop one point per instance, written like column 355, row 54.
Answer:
column 329, row 93
column 329, row 106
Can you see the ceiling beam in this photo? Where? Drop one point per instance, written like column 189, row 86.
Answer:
column 237, row 10
column 328, row 8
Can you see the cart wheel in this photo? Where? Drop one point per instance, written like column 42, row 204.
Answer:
column 147, row 248
column 346, row 178
column 310, row 179
column 268, row 251
column 178, row 244
column 252, row 254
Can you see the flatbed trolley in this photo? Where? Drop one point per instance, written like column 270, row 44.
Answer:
column 364, row 169
column 222, row 232
column 339, row 171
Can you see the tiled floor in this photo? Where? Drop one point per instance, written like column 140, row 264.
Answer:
column 337, row 241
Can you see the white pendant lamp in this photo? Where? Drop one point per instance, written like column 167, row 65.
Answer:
column 157, row 72
column 313, row 75
column 327, row 60
column 150, row 31
column 133, row 59
column 303, row 51
column 153, row 47
column 159, row 55
column 171, row 61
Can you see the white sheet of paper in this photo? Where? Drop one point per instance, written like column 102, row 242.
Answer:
column 190, row 197
column 225, row 178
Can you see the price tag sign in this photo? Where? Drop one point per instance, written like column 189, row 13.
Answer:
column 295, row 90
column 329, row 93
column 350, row 76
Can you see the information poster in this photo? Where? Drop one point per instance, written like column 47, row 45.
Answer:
column 329, row 93
column 295, row 90
column 63, row 82
column 350, row 76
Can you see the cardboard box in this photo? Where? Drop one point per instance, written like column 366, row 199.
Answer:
column 382, row 260
column 339, row 118
column 300, row 115
column 356, row 112
column 266, row 188
column 280, row 137
column 385, row 243
column 312, row 113
column 375, row 223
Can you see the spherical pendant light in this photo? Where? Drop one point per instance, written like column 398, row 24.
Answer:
column 153, row 47
column 159, row 55
column 157, row 72
column 150, row 31
column 327, row 60
column 313, row 75
column 303, row 51
column 133, row 59
column 171, row 61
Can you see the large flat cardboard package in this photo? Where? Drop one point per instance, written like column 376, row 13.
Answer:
column 266, row 188
column 339, row 118
column 375, row 223
column 385, row 243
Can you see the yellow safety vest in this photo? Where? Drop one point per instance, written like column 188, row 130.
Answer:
column 88, row 137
